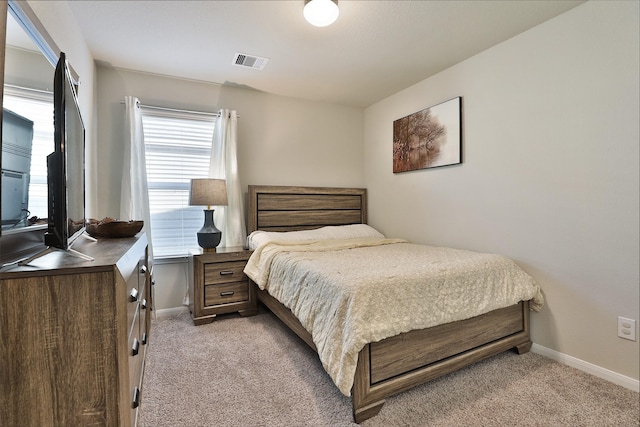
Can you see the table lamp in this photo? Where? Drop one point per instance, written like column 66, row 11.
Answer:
column 208, row 192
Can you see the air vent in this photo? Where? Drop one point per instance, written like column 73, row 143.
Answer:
column 250, row 61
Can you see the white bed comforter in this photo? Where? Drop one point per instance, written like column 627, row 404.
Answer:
column 347, row 293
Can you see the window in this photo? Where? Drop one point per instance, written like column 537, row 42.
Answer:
column 177, row 149
column 36, row 106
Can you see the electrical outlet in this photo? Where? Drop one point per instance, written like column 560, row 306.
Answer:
column 627, row 328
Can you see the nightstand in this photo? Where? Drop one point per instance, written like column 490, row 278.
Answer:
column 218, row 285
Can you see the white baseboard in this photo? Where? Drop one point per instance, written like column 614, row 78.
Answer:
column 170, row 312
column 590, row 368
column 565, row 359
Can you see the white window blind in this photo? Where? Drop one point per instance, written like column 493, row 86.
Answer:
column 177, row 149
column 36, row 106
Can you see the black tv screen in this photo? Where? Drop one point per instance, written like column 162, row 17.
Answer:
column 66, row 178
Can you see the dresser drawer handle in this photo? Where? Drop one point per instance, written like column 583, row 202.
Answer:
column 144, row 338
column 135, row 347
column 226, row 272
column 143, row 304
column 226, row 294
column 133, row 296
column 143, row 269
column 136, row 398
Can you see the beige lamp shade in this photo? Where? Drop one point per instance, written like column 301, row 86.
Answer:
column 208, row 192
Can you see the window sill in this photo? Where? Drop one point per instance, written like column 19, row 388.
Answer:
column 171, row 259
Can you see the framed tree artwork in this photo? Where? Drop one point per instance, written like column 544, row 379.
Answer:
column 429, row 138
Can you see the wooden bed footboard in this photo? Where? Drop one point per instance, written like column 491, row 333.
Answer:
column 407, row 360
column 399, row 363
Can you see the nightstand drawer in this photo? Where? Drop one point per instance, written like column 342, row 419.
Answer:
column 218, row 285
column 226, row 293
column 224, row 272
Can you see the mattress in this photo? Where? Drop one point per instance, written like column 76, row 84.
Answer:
column 350, row 292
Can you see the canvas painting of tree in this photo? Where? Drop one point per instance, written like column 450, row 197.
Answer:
column 429, row 138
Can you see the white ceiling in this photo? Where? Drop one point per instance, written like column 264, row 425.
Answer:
column 375, row 48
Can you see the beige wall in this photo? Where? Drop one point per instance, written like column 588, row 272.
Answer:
column 281, row 141
column 60, row 23
column 550, row 173
column 27, row 69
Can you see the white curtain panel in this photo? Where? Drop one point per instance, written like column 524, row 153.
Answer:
column 134, row 199
column 224, row 165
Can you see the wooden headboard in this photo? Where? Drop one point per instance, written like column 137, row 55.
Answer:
column 283, row 208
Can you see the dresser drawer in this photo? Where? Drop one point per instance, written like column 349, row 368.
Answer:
column 135, row 288
column 133, row 297
column 224, row 272
column 226, row 293
column 136, row 359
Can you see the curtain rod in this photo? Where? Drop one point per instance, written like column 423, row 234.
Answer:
column 176, row 110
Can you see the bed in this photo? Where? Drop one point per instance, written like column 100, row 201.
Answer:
column 396, row 363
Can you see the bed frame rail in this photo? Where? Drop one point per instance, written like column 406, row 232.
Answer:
column 402, row 362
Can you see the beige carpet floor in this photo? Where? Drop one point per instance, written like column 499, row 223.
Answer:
column 254, row 372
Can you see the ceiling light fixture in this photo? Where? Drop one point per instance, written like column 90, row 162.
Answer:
column 321, row 12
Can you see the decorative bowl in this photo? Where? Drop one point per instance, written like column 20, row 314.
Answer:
column 114, row 228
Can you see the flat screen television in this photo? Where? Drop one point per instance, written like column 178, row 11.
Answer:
column 66, row 167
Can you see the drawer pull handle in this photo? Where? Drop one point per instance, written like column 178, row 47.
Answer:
column 226, row 272
column 144, row 304
column 136, row 398
column 143, row 269
column 133, row 296
column 135, row 347
column 226, row 294
column 144, row 338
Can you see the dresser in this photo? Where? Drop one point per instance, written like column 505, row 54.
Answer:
column 73, row 336
column 218, row 285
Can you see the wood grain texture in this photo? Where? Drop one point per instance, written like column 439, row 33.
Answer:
column 65, row 339
column 279, row 208
column 365, row 393
column 304, row 220
column 294, row 202
column 226, row 293
column 224, row 272
column 404, row 352
column 396, row 363
column 217, row 284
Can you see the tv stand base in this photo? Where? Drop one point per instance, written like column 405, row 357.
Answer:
column 50, row 249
